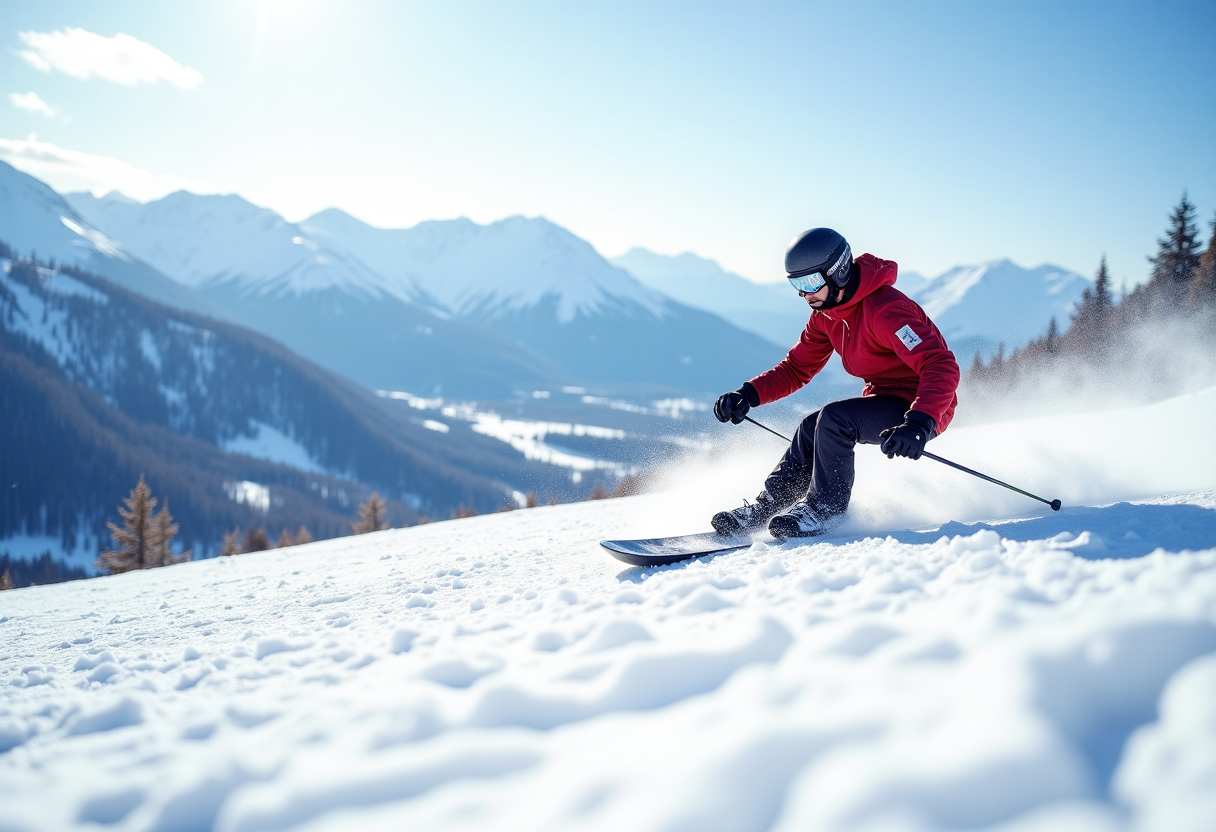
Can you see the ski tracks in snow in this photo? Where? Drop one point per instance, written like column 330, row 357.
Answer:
column 500, row 672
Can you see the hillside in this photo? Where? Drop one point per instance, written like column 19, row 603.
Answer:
column 111, row 384
column 912, row 672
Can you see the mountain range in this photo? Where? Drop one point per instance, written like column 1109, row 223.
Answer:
column 978, row 308
column 446, row 307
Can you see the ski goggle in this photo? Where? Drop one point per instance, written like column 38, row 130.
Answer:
column 808, row 284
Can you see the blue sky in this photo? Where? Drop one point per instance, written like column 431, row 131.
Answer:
column 932, row 133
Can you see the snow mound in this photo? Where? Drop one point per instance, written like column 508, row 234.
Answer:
column 502, row 672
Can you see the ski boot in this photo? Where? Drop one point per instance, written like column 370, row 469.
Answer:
column 803, row 520
column 747, row 518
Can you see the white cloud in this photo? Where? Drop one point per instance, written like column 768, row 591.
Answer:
column 121, row 59
column 32, row 102
column 71, row 170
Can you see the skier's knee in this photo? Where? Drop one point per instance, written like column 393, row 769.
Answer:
column 832, row 414
column 834, row 418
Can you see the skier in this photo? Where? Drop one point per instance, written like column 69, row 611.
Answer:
column 882, row 336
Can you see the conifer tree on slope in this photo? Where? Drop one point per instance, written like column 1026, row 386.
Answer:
column 1203, row 285
column 256, row 540
column 165, row 530
column 1176, row 259
column 1091, row 320
column 231, row 544
column 136, row 543
column 371, row 515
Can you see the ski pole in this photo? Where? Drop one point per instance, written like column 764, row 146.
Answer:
column 1055, row 504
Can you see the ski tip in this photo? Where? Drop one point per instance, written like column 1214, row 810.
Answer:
column 1055, row 505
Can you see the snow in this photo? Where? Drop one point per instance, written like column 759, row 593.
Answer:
column 269, row 443
column 957, row 661
column 46, row 324
column 528, row 437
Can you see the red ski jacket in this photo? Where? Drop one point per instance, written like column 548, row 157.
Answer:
column 882, row 336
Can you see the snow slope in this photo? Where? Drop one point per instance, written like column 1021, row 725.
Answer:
column 501, row 672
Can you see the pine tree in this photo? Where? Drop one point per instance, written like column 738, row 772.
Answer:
column 232, row 543
column 1053, row 336
column 977, row 365
column 303, row 535
column 6, row 581
column 256, row 540
column 1177, row 256
column 1091, row 320
column 1203, row 285
column 371, row 515
column 1102, row 297
column 166, row 530
column 285, row 540
column 137, row 541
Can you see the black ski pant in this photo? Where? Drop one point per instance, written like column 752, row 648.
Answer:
column 819, row 462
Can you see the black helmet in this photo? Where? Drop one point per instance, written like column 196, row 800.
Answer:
column 820, row 250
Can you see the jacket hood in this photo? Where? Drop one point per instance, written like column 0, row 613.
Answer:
column 874, row 273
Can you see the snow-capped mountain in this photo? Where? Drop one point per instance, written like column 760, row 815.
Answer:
column 772, row 311
column 36, row 220
column 252, row 267
column 521, row 291
column 1000, row 302
column 205, row 240
column 948, row 664
column 491, row 271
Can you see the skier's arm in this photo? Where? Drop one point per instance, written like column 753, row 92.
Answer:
column 799, row 366
column 918, row 344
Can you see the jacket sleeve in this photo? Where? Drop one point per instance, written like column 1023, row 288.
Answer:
column 919, row 344
column 799, row 366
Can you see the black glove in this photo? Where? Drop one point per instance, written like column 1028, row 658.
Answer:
column 732, row 407
column 909, row 438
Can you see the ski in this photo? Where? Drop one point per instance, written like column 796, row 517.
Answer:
column 657, row 551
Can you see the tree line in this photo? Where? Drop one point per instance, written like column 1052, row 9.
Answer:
column 1143, row 340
